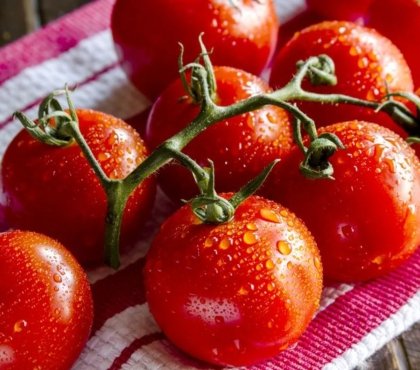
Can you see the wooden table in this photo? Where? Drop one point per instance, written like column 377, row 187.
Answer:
column 18, row 17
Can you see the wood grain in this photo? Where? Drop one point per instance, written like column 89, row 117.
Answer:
column 411, row 343
column 13, row 23
column 52, row 9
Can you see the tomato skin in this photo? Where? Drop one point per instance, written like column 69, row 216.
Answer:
column 54, row 191
column 366, row 65
column 226, row 294
column 242, row 37
column 342, row 10
column 240, row 147
column 366, row 222
column 45, row 303
column 383, row 16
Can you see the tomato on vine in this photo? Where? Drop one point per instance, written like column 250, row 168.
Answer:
column 53, row 190
column 235, row 293
column 45, row 303
column 242, row 34
column 240, row 147
column 366, row 221
column 367, row 66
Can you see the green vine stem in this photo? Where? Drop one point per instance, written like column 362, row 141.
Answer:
column 209, row 206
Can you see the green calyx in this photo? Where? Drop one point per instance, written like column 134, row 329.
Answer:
column 194, row 88
column 211, row 208
column 52, row 125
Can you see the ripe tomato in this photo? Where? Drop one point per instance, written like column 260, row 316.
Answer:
column 366, row 65
column 383, row 16
column 242, row 35
column 54, row 191
column 45, row 303
column 235, row 293
column 240, row 147
column 342, row 10
column 366, row 221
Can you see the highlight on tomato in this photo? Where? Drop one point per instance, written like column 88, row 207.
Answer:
column 367, row 66
column 45, row 303
column 241, row 34
column 366, row 221
column 53, row 190
column 240, row 147
column 235, row 293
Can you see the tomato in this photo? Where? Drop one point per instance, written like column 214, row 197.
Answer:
column 235, row 293
column 54, row 190
column 366, row 221
column 367, row 64
column 342, row 10
column 45, row 303
column 383, row 16
column 242, row 34
column 240, row 147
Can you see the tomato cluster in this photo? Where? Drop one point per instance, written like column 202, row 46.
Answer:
column 238, row 292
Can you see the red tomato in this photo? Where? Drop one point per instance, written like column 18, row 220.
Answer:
column 366, row 221
column 147, row 33
column 366, row 65
column 341, row 10
column 240, row 146
column 54, row 191
column 399, row 20
column 45, row 303
column 236, row 293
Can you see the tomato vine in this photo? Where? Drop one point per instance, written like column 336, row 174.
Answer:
column 208, row 206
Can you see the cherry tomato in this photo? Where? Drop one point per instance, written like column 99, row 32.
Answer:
column 384, row 16
column 240, row 147
column 45, row 303
column 242, row 34
column 367, row 64
column 54, row 190
column 236, row 293
column 366, row 221
column 341, row 10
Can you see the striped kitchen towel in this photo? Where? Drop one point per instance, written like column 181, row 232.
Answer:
column 354, row 320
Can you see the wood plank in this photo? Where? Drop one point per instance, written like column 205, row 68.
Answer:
column 17, row 17
column 52, row 9
column 391, row 357
column 411, row 342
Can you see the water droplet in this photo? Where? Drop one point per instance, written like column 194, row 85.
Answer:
column 269, row 215
column 57, row 278
column 225, row 243
column 269, row 265
column 251, row 226
column 284, row 247
column 317, row 263
column 19, row 326
column 379, row 260
column 242, row 291
column 250, row 238
column 249, row 250
column 270, row 287
column 208, row 243
column 103, row 156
